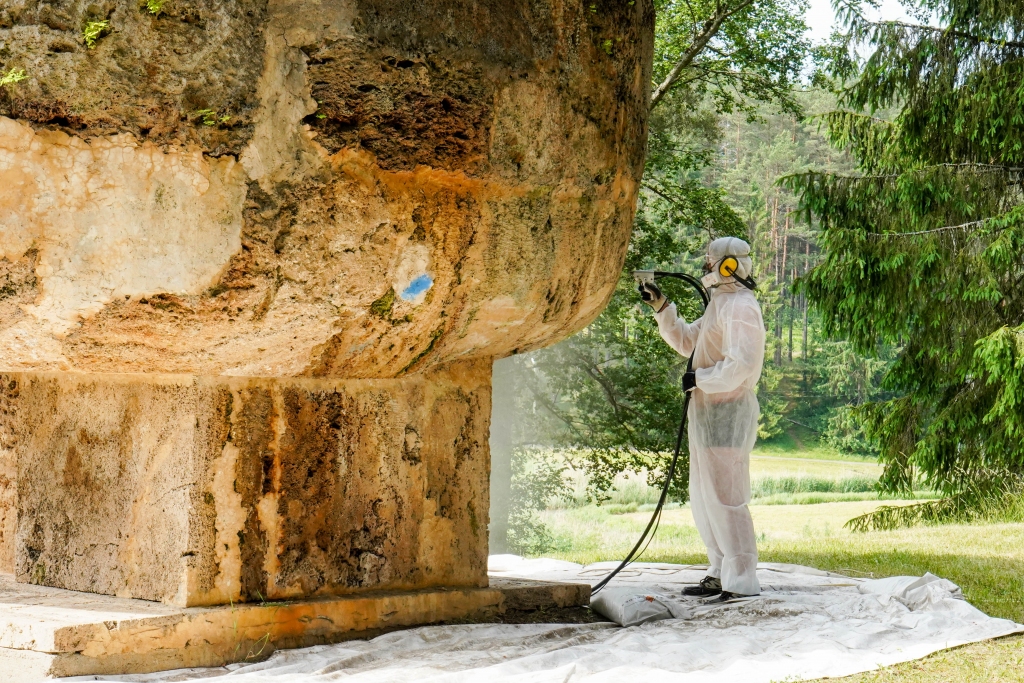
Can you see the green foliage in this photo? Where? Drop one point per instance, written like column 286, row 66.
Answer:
column 210, row 117
column 93, row 31
column 990, row 496
column 852, row 379
column 924, row 244
column 755, row 55
column 537, row 476
column 155, row 7
column 12, row 77
column 844, row 431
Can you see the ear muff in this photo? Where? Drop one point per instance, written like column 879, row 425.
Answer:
column 728, row 266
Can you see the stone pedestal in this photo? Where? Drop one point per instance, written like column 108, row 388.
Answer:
column 256, row 258
column 47, row 632
column 199, row 491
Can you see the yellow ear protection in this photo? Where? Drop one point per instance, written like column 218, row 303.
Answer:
column 728, row 266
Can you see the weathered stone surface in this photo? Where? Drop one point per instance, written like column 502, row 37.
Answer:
column 146, row 77
column 196, row 491
column 8, row 479
column 399, row 184
column 47, row 632
column 375, row 196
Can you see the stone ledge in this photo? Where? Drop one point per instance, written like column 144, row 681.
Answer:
column 50, row 632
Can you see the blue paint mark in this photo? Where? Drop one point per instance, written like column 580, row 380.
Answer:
column 417, row 287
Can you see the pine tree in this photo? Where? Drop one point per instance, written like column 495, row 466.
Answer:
column 924, row 245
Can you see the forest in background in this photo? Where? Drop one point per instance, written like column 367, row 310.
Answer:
column 877, row 178
column 609, row 397
column 812, row 380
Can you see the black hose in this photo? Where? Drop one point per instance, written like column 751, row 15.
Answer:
column 696, row 284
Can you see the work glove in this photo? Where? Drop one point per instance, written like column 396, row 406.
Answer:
column 689, row 381
column 652, row 296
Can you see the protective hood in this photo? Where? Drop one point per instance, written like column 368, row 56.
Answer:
column 724, row 247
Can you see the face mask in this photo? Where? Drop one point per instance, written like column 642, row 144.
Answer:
column 710, row 280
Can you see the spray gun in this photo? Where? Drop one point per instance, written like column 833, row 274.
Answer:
column 643, row 277
column 726, row 268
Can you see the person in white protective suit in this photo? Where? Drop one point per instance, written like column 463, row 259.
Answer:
column 727, row 344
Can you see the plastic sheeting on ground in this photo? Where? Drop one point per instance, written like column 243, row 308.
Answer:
column 806, row 624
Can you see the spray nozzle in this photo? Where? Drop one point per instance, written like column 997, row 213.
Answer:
column 644, row 276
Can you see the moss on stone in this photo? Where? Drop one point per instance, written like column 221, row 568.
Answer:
column 382, row 306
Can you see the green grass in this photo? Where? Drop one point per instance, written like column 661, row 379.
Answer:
column 785, row 446
column 994, row 661
column 792, row 474
column 817, row 498
column 799, row 441
column 986, row 560
column 770, row 486
column 762, row 465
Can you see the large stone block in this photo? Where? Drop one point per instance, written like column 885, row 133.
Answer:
column 256, row 258
column 345, row 188
column 197, row 491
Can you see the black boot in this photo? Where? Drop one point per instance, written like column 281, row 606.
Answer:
column 726, row 597
column 707, row 587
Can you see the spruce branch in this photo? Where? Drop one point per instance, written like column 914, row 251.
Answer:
column 946, row 228
column 950, row 32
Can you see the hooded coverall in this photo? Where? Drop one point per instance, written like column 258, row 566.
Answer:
column 727, row 344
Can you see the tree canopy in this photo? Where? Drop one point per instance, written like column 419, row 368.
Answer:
column 923, row 244
column 738, row 52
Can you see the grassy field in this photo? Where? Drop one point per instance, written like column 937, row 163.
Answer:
column 764, row 465
column 986, row 560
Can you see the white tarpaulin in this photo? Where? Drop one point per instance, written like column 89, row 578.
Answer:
column 806, row 624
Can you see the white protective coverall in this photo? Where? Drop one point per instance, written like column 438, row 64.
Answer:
column 727, row 344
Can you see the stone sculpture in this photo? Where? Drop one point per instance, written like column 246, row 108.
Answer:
column 256, row 260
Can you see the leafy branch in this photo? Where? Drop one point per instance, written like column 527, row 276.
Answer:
column 708, row 31
column 737, row 52
column 93, row 31
column 11, row 77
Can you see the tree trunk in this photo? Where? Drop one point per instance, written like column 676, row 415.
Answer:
column 776, row 238
column 780, row 277
column 737, row 145
column 792, row 306
column 807, row 266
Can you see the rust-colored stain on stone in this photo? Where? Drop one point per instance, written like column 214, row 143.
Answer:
column 193, row 491
column 256, row 260
column 492, row 150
